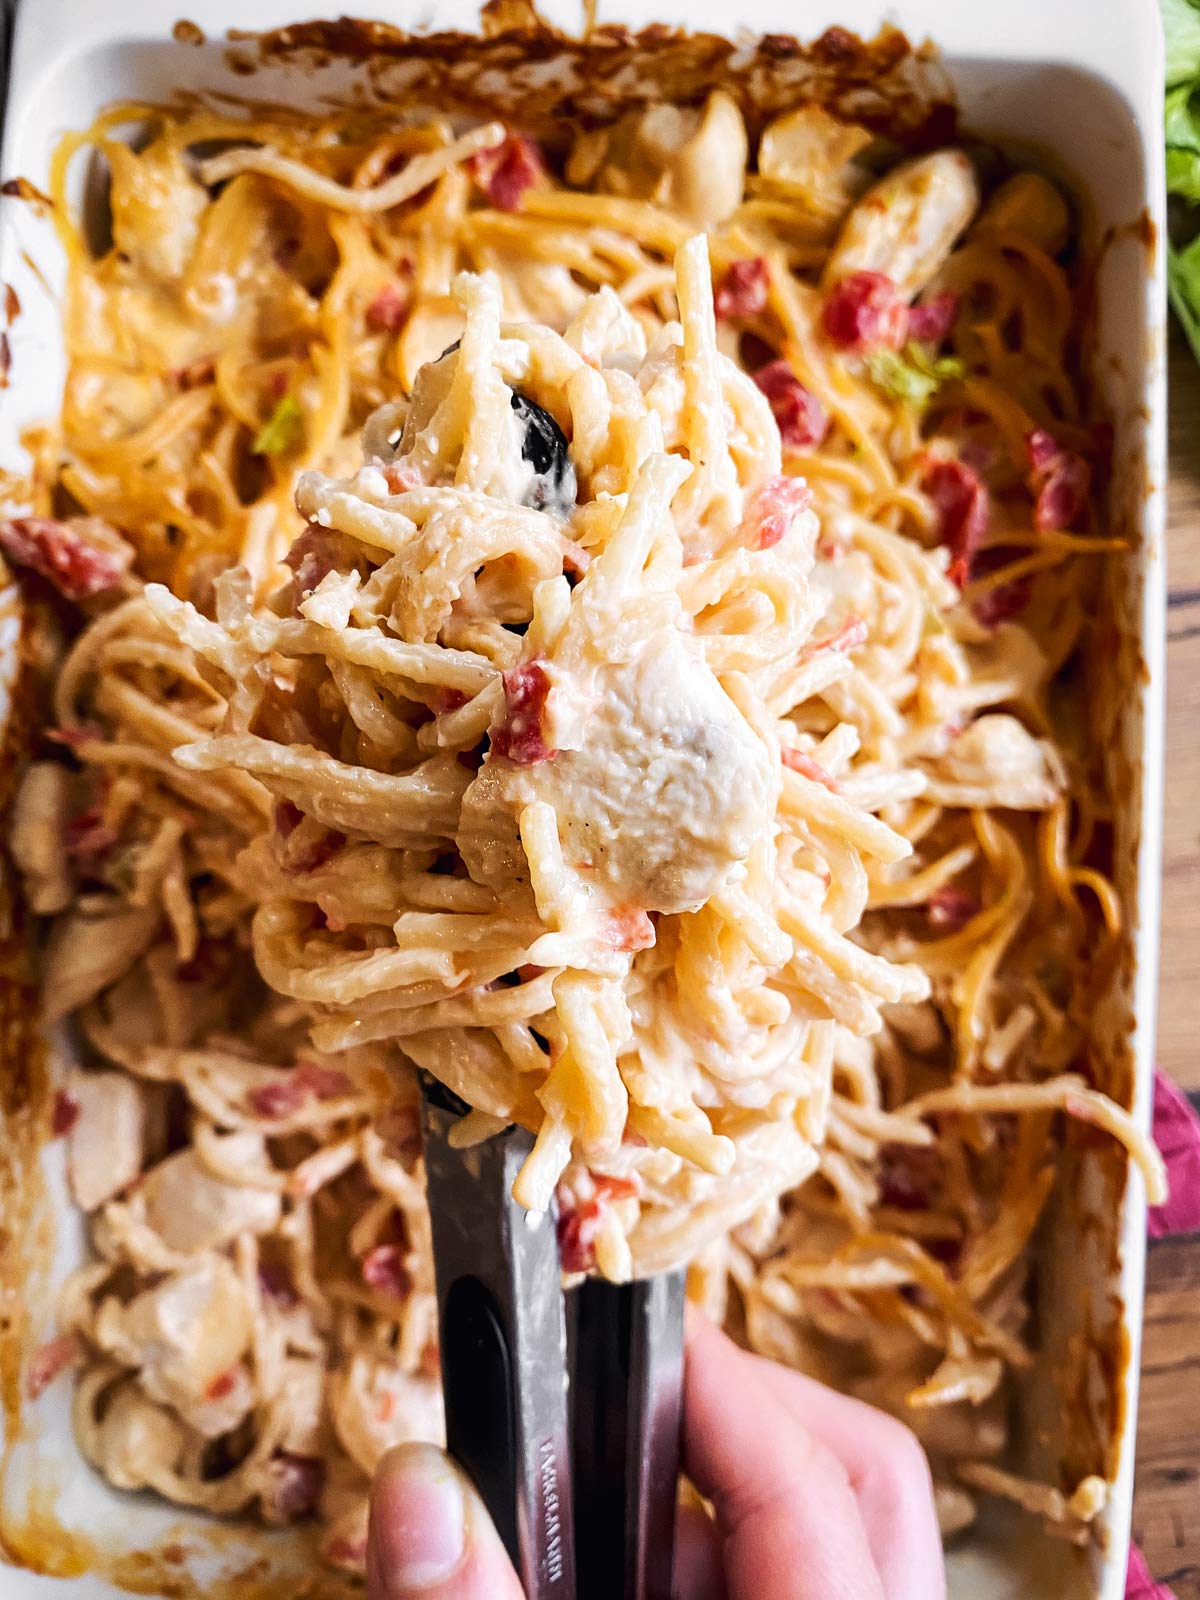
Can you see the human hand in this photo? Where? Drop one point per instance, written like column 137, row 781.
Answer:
column 817, row 1497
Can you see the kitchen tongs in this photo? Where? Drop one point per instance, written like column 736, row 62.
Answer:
column 563, row 1409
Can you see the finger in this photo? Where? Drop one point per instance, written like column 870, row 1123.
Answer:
column 791, row 1524
column 699, row 1565
column 430, row 1537
column 888, row 1472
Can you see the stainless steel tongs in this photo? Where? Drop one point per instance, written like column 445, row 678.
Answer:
column 564, row 1409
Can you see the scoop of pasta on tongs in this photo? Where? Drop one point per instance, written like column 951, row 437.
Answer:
column 593, row 879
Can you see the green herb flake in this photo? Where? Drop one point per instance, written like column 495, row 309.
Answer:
column 282, row 430
column 913, row 374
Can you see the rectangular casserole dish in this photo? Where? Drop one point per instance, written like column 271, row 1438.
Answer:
column 1055, row 89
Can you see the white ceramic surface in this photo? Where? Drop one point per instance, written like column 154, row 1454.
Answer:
column 1061, row 77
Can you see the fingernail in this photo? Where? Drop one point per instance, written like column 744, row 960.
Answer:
column 418, row 1522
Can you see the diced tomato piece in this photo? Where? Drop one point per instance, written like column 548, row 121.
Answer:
column 400, row 1129
column 579, row 1221
column 77, row 566
column 932, row 320
column 312, row 558
column 325, row 1083
column 387, row 311
column 1003, row 601
column 383, row 1270
column 961, row 500
column 626, row 928
column 577, row 1228
column 74, row 736
column 277, row 1285
column 401, row 479
column 849, row 636
column 294, row 1485
column 443, row 701
column 519, row 737
column 306, row 850
column 772, row 509
column 801, row 416
column 610, row 1188
column 742, row 292
column 866, row 311
column 908, row 1176
column 65, row 1114
column 1042, row 449
column 348, row 1554
column 50, row 1361
column 1060, row 480
column 431, row 1360
column 307, row 1081
column 798, row 761
column 275, row 1100
column 222, row 1385
column 507, row 170
column 210, row 964
column 950, row 908
column 89, row 837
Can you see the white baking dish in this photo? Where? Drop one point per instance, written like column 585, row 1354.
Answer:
column 1046, row 78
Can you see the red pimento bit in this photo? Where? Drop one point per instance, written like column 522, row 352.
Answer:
column 519, row 737
column 65, row 1114
column 56, row 550
column 742, row 292
column 578, row 1224
column 1059, row 480
column 222, row 1385
column 798, row 761
column 1002, row 601
column 276, row 1284
column 308, row 1081
column 961, row 499
column 383, row 1270
column 800, row 415
column 932, row 320
column 387, row 311
column 626, row 928
column 849, row 636
column 293, row 1488
column 950, row 908
column 506, row 170
column 773, row 507
column 51, row 1360
column 866, row 311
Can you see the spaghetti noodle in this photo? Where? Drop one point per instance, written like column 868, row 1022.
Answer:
column 655, row 739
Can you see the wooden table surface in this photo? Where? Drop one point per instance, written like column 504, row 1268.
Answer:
column 1166, row 1517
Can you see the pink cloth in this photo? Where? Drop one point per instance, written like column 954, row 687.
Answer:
column 1139, row 1585
column 1177, row 1135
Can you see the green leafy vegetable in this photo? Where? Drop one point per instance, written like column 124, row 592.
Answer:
column 914, row 374
column 1183, row 281
column 282, row 429
column 1181, row 23
column 1181, row 129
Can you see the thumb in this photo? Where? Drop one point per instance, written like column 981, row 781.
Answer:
column 430, row 1537
column 786, row 1513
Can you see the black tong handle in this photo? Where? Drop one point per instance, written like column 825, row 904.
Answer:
column 626, row 1412
column 588, row 1517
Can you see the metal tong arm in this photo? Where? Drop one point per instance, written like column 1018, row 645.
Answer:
column 626, row 1414
column 503, row 1342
